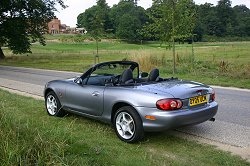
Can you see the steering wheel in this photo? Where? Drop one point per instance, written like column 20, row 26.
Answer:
column 115, row 79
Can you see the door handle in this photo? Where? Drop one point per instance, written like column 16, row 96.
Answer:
column 95, row 94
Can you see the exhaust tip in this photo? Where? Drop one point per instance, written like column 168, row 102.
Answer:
column 212, row 119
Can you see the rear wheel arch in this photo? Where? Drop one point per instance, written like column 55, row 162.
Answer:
column 116, row 107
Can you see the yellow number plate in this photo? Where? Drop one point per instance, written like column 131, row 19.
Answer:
column 197, row 100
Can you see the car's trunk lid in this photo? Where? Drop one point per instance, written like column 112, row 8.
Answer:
column 177, row 88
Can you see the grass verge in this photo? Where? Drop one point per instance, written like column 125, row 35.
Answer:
column 30, row 137
column 225, row 64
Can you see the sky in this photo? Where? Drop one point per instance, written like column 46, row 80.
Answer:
column 69, row 15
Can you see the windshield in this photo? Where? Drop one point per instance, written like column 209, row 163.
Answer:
column 109, row 72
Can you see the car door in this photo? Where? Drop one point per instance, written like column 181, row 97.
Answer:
column 86, row 99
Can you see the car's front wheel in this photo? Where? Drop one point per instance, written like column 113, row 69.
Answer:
column 53, row 105
column 128, row 125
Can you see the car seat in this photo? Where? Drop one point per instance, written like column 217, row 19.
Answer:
column 154, row 75
column 127, row 77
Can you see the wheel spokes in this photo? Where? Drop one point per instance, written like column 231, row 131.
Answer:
column 51, row 105
column 120, row 125
column 130, row 132
column 124, row 117
column 125, row 125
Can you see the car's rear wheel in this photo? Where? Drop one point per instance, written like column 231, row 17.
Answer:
column 53, row 105
column 128, row 124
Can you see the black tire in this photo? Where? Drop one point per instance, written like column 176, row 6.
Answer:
column 128, row 132
column 56, row 109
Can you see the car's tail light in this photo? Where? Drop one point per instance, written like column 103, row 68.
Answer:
column 213, row 95
column 169, row 104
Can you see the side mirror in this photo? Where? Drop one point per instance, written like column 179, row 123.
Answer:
column 144, row 74
column 78, row 80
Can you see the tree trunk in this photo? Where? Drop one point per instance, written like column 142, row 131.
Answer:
column 174, row 59
column 193, row 58
column 97, row 47
column 97, row 52
column 1, row 54
column 173, row 37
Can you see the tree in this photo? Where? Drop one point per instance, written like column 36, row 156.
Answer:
column 222, row 20
column 209, row 22
column 243, row 18
column 172, row 20
column 225, row 16
column 96, row 21
column 88, row 18
column 128, row 20
column 23, row 22
column 127, row 27
column 104, row 12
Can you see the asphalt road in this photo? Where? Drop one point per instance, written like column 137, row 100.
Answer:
column 232, row 125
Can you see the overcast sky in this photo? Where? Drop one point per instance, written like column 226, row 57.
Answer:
column 69, row 15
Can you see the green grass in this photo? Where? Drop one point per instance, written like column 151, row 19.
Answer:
column 30, row 137
column 218, row 63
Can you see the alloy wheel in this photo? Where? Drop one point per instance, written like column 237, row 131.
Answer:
column 125, row 125
column 51, row 105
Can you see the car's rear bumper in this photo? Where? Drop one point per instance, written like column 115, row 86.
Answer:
column 173, row 119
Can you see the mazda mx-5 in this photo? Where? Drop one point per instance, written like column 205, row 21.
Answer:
column 134, row 102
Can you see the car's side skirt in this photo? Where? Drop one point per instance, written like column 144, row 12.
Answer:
column 99, row 118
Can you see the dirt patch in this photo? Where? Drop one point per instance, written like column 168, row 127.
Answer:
column 205, row 47
column 243, row 152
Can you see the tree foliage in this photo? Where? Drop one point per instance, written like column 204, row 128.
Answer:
column 96, row 19
column 242, row 16
column 219, row 20
column 23, row 22
column 172, row 20
column 124, row 19
column 128, row 20
column 127, row 27
column 223, row 20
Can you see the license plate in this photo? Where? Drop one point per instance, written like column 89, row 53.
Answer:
column 197, row 100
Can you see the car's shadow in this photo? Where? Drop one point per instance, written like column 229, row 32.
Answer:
column 168, row 136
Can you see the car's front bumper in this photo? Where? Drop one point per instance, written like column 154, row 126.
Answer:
column 165, row 120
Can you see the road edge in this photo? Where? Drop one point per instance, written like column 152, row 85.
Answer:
column 243, row 152
column 22, row 93
column 77, row 73
column 230, row 88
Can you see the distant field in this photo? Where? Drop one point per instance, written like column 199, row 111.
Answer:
column 222, row 63
column 30, row 137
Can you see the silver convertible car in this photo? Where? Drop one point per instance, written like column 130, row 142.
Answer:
column 117, row 93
